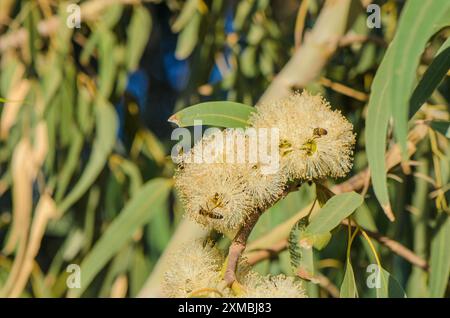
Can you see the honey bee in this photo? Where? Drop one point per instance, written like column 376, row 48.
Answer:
column 179, row 161
column 180, row 165
column 318, row 132
column 209, row 212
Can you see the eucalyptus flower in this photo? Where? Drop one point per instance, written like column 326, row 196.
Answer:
column 219, row 183
column 280, row 286
column 315, row 141
column 194, row 271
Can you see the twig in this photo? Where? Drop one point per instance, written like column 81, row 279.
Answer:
column 259, row 255
column 240, row 240
column 327, row 285
column 343, row 89
column 317, row 47
column 351, row 38
column 300, row 22
column 238, row 246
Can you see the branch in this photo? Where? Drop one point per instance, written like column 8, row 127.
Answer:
column 327, row 285
column 258, row 255
column 238, row 246
column 317, row 48
column 240, row 240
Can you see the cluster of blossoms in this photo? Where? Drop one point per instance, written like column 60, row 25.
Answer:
column 314, row 142
column 195, row 271
column 222, row 185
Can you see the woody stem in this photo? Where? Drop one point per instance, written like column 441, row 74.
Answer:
column 240, row 240
column 238, row 246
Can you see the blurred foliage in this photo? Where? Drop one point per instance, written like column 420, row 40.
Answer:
column 85, row 176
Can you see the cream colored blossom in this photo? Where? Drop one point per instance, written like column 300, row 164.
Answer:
column 315, row 141
column 194, row 271
column 280, row 286
column 214, row 196
column 220, row 185
column 265, row 189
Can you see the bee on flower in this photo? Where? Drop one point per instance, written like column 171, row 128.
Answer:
column 221, row 193
column 315, row 141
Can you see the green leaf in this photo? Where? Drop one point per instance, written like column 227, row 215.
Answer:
column 348, row 286
column 442, row 126
column 418, row 22
column 136, row 213
column 431, row 79
column 221, row 114
column 391, row 90
column 319, row 241
column 323, row 194
column 389, row 287
column 186, row 14
column 89, row 47
column 70, row 165
column 139, row 272
column 243, row 10
column 138, row 33
column 119, row 264
column 7, row 75
column 378, row 114
column 132, row 171
column 334, row 211
column 188, row 37
column 106, row 123
column 51, row 81
column 107, row 63
column 248, row 61
column 112, row 15
column 440, row 258
column 158, row 232
column 417, row 286
column 255, row 34
column 365, row 219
